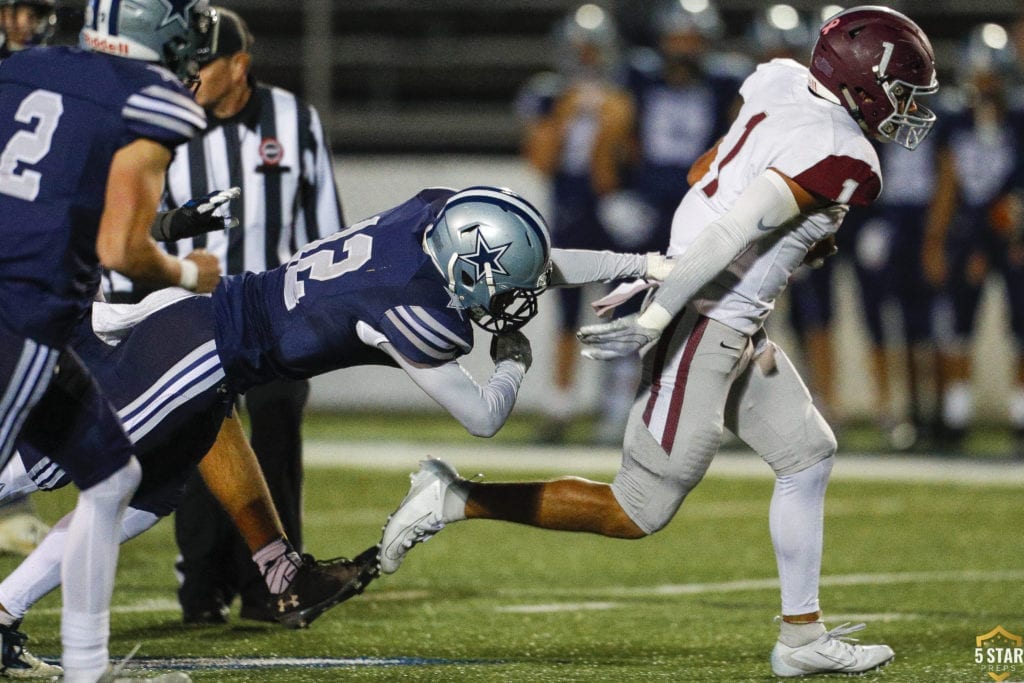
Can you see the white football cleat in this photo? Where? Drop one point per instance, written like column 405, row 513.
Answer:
column 832, row 652
column 419, row 516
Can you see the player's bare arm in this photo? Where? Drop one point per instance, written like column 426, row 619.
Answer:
column 944, row 201
column 134, row 186
column 612, row 145
column 702, row 165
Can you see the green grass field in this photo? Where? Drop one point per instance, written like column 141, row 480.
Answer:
column 929, row 566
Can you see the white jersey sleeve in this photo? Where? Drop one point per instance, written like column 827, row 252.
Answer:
column 781, row 126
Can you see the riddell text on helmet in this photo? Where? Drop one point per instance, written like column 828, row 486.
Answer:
column 105, row 44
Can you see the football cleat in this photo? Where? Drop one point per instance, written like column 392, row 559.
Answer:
column 830, row 653
column 19, row 662
column 419, row 516
column 320, row 585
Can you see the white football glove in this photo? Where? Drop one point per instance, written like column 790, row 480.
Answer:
column 617, row 339
column 513, row 346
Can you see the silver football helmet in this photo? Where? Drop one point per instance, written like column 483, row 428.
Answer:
column 169, row 32
column 493, row 249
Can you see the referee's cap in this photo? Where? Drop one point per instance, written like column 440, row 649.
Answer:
column 229, row 35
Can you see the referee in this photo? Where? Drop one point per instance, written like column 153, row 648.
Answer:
column 266, row 141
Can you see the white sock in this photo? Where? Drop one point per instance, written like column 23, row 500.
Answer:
column 278, row 562
column 84, row 636
column 88, row 569
column 795, row 635
column 797, row 521
column 958, row 405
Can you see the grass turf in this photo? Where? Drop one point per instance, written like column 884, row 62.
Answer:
column 930, row 567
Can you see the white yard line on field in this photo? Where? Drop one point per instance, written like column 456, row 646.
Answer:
column 487, row 457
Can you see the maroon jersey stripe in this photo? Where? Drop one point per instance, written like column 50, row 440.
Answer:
column 675, row 408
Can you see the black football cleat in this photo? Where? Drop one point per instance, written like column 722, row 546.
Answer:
column 19, row 662
column 321, row 584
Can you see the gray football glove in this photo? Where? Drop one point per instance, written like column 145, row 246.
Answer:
column 195, row 217
column 512, row 346
column 617, row 339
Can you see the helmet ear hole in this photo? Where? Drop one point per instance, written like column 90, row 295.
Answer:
column 467, row 279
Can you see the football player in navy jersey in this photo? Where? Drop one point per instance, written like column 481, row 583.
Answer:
column 85, row 138
column 23, row 24
column 577, row 133
column 403, row 288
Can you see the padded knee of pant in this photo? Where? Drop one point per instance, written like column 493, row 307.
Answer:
column 647, row 487
column 801, row 455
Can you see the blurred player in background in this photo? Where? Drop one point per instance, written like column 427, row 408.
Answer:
column 26, row 23
column 780, row 31
column 774, row 189
column 79, row 190
column 683, row 93
column 271, row 144
column 897, row 300
column 23, row 23
column 578, row 135
column 974, row 225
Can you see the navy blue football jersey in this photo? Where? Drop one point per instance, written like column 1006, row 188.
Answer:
column 301, row 318
column 64, row 113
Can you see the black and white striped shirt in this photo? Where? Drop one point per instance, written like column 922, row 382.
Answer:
column 275, row 150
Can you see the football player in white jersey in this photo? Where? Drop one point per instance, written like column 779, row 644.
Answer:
column 776, row 185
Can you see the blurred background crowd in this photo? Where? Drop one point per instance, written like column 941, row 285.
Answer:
column 609, row 103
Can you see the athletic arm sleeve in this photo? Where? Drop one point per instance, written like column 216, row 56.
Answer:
column 766, row 204
column 482, row 410
column 574, row 267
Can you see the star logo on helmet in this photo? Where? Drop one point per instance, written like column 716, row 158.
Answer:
column 486, row 255
column 176, row 10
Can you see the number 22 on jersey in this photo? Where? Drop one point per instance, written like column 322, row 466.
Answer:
column 323, row 262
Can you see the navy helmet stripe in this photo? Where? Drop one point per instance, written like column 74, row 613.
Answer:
column 115, row 9
column 519, row 206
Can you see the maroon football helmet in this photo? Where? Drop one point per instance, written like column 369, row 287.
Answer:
column 875, row 61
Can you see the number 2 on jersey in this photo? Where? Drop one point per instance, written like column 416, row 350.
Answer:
column 29, row 147
column 321, row 264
